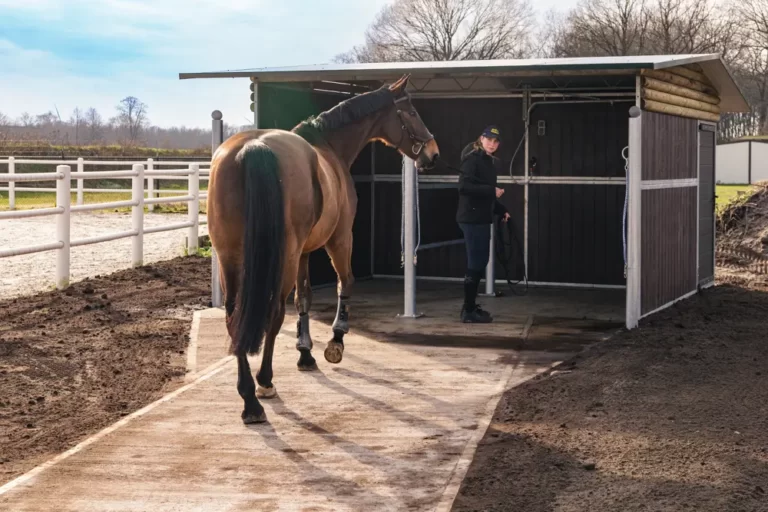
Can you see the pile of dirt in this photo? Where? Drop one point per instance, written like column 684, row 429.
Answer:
column 671, row 416
column 742, row 238
column 75, row 361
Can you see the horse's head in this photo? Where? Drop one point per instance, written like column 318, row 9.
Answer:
column 403, row 128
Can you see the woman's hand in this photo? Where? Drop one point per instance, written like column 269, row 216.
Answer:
column 505, row 218
column 499, row 192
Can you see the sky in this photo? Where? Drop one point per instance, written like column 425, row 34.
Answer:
column 62, row 54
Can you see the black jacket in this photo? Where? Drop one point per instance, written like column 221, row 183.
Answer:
column 477, row 188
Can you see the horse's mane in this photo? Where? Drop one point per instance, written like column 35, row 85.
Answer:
column 315, row 128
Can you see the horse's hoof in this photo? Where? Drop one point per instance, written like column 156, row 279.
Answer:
column 262, row 392
column 334, row 352
column 308, row 367
column 250, row 419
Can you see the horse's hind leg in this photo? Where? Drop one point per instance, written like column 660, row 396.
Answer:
column 303, row 304
column 264, row 376
column 339, row 248
column 253, row 412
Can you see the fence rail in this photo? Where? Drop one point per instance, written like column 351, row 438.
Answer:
column 64, row 207
column 153, row 170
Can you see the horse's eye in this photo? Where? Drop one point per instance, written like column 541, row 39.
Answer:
column 413, row 113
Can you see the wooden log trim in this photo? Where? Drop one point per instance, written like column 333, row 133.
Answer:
column 680, row 101
column 675, row 110
column 658, row 85
column 678, row 80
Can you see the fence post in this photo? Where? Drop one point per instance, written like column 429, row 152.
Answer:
column 80, row 168
column 150, row 184
column 63, row 201
column 193, row 209
column 12, row 184
column 217, row 132
column 137, row 211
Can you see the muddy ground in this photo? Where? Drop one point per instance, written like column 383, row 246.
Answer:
column 73, row 362
column 673, row 416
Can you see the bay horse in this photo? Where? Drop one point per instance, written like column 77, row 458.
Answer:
column 274, row 196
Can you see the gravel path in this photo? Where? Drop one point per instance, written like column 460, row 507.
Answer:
column 33, row 273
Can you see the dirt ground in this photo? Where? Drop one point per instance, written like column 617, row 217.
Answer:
column 672, row 416
column 74, row 362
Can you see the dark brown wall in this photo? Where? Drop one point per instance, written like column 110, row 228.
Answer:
column 668, row 260
column 669, row 147
column 579, row 139
column 706, row 206
column 575, row 234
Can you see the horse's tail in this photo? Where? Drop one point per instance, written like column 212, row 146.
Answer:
column 263, row 242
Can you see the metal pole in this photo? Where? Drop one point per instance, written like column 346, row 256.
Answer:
column 193, row 209
column 634, row 225
column 409, row 246
column 490, row 269
column 80, row 168
column 217, row 131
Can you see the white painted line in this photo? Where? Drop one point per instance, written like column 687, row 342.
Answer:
column 194, row 333
column 26, row 477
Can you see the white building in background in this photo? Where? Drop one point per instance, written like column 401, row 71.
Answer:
column 742, row 162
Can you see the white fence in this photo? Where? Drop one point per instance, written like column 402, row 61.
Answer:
column 742, row 163
column 64, row 208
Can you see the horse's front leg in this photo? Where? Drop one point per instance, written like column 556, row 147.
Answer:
column 340, row 251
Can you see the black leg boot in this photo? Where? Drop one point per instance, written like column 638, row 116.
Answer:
column 471, row 312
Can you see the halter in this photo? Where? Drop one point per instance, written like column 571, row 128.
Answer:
column 418, row 143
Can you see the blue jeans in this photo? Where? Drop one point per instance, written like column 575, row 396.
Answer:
column 477, row 240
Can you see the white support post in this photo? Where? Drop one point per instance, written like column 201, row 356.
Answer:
column 137, row 211
column 12, row 184
column 193, row 209
column 409, row 247
column 80, row 168
column 217, row 132
column 63, row 201
column 634, row 220
column 490, row 269
column 150, row 184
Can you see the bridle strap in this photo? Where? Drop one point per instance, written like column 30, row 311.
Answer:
column 418, row 142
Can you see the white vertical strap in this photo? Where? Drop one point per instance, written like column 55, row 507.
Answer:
column 12, row 184
column 193, row 209
column 80, row 168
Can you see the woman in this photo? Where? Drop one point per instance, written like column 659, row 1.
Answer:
column 478, row 202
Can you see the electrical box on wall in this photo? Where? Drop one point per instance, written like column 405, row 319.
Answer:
column 542, row 127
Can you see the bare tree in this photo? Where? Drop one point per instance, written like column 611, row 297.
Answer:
column 692, row 26
column 77, row 120
column 423, row 30
column 601, row 28
column 26, row 120
column 94, row 124
column 132, row 117
column 752, row 65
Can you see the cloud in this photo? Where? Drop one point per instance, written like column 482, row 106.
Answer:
column 95, row 52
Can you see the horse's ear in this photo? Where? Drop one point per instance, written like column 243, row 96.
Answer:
column 399, row 86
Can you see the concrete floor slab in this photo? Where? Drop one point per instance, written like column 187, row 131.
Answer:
column 393, row 427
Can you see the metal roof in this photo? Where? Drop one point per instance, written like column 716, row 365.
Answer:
column 732, row 99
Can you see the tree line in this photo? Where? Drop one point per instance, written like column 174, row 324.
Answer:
column 427, row 30
column 130, row 127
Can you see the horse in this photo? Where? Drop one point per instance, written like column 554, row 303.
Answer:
column 274, row 196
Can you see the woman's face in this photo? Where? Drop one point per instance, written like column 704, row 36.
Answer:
column 489, row 145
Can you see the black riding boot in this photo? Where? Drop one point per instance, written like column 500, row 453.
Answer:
column 471, row 312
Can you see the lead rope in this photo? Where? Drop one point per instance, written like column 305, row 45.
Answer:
column 402, row 218
column 625, row 156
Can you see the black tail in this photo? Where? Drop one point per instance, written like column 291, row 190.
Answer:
column 262, row 245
